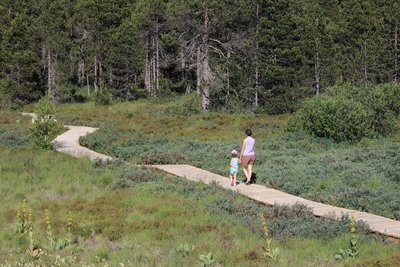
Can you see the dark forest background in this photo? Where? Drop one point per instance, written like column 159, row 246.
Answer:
column 264, row 55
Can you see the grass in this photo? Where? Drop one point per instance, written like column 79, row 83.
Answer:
column 138, row 217
column 363, row 175
column 148, row 120
column 13, row 129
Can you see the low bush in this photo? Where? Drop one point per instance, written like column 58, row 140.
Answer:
column 14, row 129
column 14, row 135
column 45, row 127
column 70, row 94
column 187, row 105
column 383, row 101
column 348, row 113
column 337, row 118
column 102, row 98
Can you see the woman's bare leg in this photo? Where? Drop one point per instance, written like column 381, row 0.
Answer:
column 250, row 172
column 245, row 173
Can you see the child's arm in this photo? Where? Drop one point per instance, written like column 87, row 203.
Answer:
column 230, row 163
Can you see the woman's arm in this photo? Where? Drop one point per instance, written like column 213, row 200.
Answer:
column 241, row 151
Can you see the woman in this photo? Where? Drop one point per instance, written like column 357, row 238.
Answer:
column 247, row 155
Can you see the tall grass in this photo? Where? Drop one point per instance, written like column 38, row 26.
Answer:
column 363, row 176
column 122, row 214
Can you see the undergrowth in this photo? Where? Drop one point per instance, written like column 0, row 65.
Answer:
column 133, row 216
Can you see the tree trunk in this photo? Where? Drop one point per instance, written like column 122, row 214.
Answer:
column 183, row 67
column 157, row 72
column 49, row 85
column 87, row 83
column 51, row 73
column 365, row 64
column 147, row 78
column 81, row 65
column 317, row 74
column 396, row 53
column 198, row 72
column 256, row 75
column 228, row 82
column 206, row 75
column 100, row 70
column 317, row 66
column 95, row 74
column 153, row 66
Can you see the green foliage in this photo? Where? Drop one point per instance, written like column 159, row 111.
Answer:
column 5, row 93
column 187, row 105
column 44, row 127
column 122, row 45
column 22, row 225
column 352, row 251
column 14, row 135
column 102, row 98
column 70, row 94
column 14, row 129
column 146, row 222
column 337, row 118
column 348, row 113
column 207, row 260
column 362, row 176
column 21, row 80
column 184, row 249
column 268, row 252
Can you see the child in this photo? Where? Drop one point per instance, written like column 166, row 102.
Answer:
column 234, row 167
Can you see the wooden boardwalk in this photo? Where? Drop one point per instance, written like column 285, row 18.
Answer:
column 68, row 143
column 269, row 196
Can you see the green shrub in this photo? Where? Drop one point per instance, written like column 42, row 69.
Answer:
column 283, row 100
column 350, row 113
column 70, row 94
column 102, row 98
column 392, row 93
column 157, row 157
column 383, row 101
column 45, row 127
column 332, row 117
column 13, row 135
column 186, row 105
column 12, row 94
column 5, row 98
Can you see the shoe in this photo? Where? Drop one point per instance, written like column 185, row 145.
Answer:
column 248, row 182
column 231, row 183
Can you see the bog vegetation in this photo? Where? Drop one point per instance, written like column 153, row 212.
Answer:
column 61, row 211
column 348, row 113
column 361, row 174
column 144, row 72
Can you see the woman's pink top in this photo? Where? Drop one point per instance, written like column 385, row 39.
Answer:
column 249, row 144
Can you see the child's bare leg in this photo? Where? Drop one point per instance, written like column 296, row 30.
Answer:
column 234, row 179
